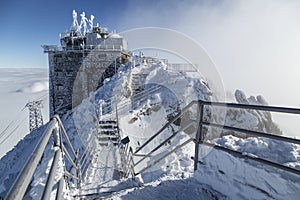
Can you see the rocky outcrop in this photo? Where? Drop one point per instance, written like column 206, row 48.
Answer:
column 250, row 119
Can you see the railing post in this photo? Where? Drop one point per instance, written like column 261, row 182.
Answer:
column 199, row 135
column 59, row 189
column 78, row 170
column 51, row 176
column 19, row 187
column 58, row 154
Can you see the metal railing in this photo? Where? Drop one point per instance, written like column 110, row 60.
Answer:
column 126, row 153
column 200, row 137
column 123, row 105
column 63, row 150
column 184, row 67
column 142, row 157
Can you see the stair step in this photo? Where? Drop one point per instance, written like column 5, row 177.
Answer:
column 108, row 125
column 115, row 129
column 105, row 143
column 108, row 136
column 107, row 122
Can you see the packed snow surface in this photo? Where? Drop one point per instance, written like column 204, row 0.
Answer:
column 219, row 175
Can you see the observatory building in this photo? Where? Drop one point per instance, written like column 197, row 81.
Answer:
column 88, row 54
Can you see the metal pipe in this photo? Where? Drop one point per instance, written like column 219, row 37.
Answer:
column 20, row 185
column 51, row 176
column 253, row 107
column 261, row 160
column 90, row 143
column 179, row 146
column 87, row 152
column 166, row 125
column 129, row 162
column 60, row 189
column 163, row 143
column 78, row 170
column 69, row 157
column 256, row 133
column 68, row 174
column 198, row 135
column 65, row 134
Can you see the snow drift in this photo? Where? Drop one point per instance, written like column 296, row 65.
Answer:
column 220, row 175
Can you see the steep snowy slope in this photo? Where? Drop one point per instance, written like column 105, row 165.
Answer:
column 227, row 176
column 146, row 97
column 13, row 161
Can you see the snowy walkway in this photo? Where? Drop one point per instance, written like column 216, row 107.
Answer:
column 102, row 173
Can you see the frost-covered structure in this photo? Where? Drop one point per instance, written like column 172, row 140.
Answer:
column 141, row 97
column 219, row 176
column 76, row 67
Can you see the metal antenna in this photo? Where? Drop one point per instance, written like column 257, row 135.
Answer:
column 35, row 114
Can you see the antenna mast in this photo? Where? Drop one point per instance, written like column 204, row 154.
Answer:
column 35, row 114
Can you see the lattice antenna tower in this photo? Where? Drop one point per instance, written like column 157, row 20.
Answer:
column 35, row 114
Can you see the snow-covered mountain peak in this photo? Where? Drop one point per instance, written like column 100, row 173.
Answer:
column 141, row 99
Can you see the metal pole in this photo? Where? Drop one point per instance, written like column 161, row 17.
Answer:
column 51, row 176
column 254, row 107
column 198, row 135
column 166, row 125
column 116, row 65
column 17, row 191
column 59, row 189
column 78, row 170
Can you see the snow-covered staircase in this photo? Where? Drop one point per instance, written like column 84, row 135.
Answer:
column 103, row 173
column 141, row 92
column 108, row 132
column 137, row 82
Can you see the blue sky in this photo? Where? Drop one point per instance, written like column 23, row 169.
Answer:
column 254, row 44
column 27, row 24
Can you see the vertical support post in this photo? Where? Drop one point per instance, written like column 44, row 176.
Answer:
column 199, row 135
column 59, row 189
column 51, row 176
column 78, row 170
column 115, row 65
column 19, row 187
column 56, row 136
column 100, row 110
column 57, row 142
column 117, row 119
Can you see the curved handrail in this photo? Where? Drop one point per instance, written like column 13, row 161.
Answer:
column 18, row 189
column 56, row 129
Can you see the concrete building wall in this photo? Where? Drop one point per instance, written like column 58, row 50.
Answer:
column 74, row 74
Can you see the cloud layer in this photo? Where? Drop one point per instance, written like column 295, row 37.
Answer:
column 254, row 44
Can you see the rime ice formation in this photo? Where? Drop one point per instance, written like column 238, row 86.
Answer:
column 250, row 119
column 220, row 175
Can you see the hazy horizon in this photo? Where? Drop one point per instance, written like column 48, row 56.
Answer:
column 254, row 44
